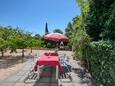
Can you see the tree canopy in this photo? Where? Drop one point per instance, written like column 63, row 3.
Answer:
column 46, row 29
column 15, row 38
column 58, row 31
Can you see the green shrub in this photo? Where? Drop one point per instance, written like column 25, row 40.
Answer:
column 80, row 41
column 101, row 56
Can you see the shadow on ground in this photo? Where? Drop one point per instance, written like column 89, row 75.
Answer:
column 84, row 76
column 47, row 78
column 9, row 61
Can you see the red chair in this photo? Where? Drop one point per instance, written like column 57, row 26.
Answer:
column 54, row 54
column 46, row 54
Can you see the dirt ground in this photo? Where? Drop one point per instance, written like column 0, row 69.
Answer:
column 12, row 62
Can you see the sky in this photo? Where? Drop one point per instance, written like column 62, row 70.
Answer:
column 31, row 15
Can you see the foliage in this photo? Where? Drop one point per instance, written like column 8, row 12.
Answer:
column 80, row 41
column 58, row 31
column 3, row 46
column 84, row 6
column 96, row 23
column 46, row 29
column 37, row 36
column 101, row 56
column 109, row 31
column 15, row 38
column 69, row 30
column 4, row 36
column 100, row 19
column 77, row 23
column 35, row 42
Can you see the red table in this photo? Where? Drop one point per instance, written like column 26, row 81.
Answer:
column 48, row 59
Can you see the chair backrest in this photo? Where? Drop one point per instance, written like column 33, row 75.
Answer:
column 51, row 54
column 47, row 54
column 54, row 54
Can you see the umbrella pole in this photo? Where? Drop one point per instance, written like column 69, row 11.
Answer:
column 56, row 45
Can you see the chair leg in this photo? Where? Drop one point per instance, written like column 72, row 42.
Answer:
column 56, row 72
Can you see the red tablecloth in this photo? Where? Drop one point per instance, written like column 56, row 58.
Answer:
column 51, row 60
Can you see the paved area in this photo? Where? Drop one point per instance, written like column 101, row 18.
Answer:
column 17, row 79
column 78, row 76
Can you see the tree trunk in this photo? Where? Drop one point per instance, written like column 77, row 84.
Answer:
column 23, row 53
column 2, row 51
column 31, row 50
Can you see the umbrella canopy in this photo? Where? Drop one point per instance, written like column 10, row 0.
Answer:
column 58, row 37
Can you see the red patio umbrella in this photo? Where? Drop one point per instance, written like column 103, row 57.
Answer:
column 58, row 37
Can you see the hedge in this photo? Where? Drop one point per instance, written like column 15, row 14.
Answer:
column 100, row 57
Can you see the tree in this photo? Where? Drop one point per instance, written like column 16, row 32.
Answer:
column 37, row 36
column 108, row 32
column 23, row 42
column 90, row 18
column 15, row 38
column 19, row 40
column 97, row 22
column 3, row 46
column 46, row 29
column 4, row 36
column 35, row 42
column 100, row 21
column 69, row 30
column 12, row 39
column 58, row 31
